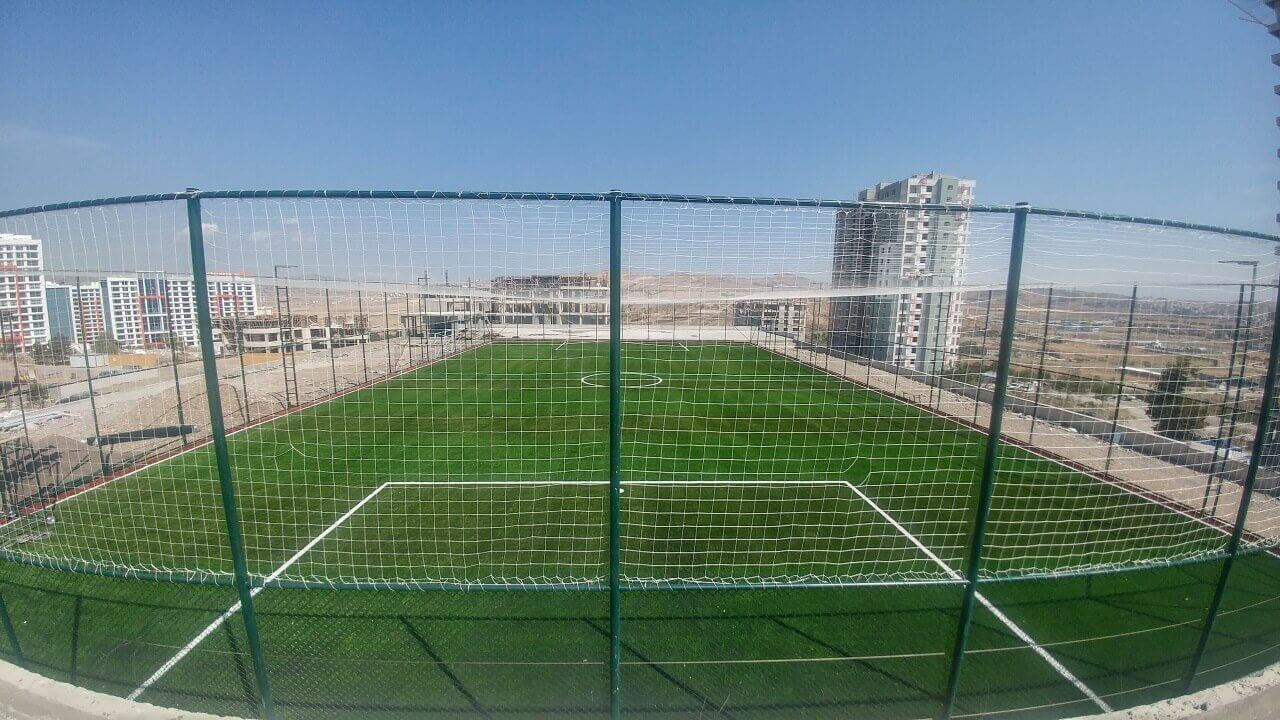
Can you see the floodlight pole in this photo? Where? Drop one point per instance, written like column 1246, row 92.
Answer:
column 991, row 455
column 231, row 512
column 615, row 455
column 1246, row 495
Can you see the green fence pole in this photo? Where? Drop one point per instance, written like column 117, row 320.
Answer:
column 88, row 378
column 1222, row 405
column 364, row 341
column 1044, row 349
column 26, row 434
column 1244, row 364
column 173, row 358
column 1246, row 495
column 615, row 457
column 991, row 455
column 1124, row 370
column 235, row 536
column 328, row 319
column 386, row 324
column 11, row 633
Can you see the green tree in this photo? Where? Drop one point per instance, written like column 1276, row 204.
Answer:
column 1176, row 413
column 56, row 352
column 37, row 391
column 106, row 344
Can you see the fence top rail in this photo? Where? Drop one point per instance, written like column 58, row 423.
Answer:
column 636, row 197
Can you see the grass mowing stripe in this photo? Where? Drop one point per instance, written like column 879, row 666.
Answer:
column 685, row 688
column 444, row 667
column 869, row 665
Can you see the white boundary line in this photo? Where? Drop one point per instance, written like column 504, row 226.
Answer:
column 253, row 424
column 235, row 608
column 999, row 615
column 1013, row 627
column 1174, row 507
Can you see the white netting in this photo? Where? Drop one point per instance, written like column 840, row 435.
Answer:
column 417, row 391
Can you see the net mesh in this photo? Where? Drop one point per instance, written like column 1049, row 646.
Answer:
column 417, row 392
column 417, row 396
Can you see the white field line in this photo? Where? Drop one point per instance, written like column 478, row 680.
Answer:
column 1013, row 627
column 252, row 424
column 1174, row 506
column 253, row 592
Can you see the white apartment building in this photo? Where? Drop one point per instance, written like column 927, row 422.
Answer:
column 75, row 313
column 232, row 295
column 900, row 249
column 164, row 302
column 786, row 317
column 22, row 290
column 121, row 308
column 140, row 311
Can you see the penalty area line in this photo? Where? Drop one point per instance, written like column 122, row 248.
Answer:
column 1021, row 634
column 200, row 637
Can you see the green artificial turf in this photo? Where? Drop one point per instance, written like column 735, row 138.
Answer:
column 743, row 470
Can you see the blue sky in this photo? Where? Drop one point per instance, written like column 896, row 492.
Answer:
column 1159, row 108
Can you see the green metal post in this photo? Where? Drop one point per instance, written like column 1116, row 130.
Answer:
column 173, row 358
column 1222, row 405
column 328, row 319
column 1044, row 349
column 1244, row 364
column 26, row 433
column 235, row 535
column 240, row 355
column 1124, row 369
column 88, row 379
column 991, row 456
column 615, row 457
column 386, row 324
column 1246, row 495
column 986, row 324
column 364, row 341
column 11, row 633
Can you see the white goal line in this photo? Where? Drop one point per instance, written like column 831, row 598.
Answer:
column 1021, row 634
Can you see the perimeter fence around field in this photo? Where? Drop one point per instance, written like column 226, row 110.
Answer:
column 278, row 401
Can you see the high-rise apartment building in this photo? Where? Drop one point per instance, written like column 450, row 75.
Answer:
column 75, row 313
column 22, row 304
column 905, row 251
column 232, row 296
column 140, row 311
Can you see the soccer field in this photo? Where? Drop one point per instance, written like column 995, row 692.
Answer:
column 793, row 542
